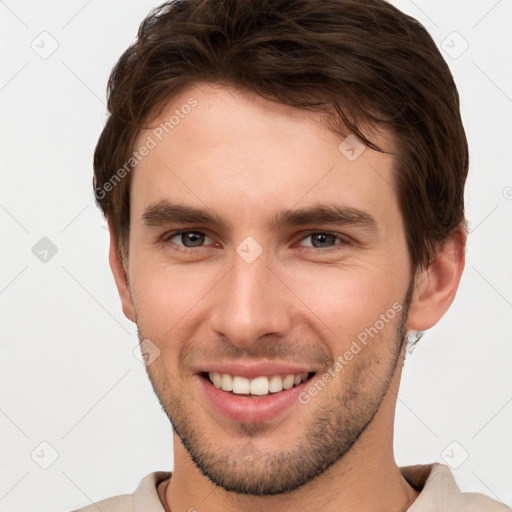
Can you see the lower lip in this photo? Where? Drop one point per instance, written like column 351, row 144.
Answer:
column 251, row 410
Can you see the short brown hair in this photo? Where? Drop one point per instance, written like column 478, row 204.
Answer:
column 363, row 60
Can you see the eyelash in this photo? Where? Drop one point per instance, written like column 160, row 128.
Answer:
column 344, row 241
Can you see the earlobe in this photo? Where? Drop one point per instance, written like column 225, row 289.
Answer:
column 436, row 286
column 120, row 276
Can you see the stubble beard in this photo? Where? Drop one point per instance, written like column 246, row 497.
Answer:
column 331, row 431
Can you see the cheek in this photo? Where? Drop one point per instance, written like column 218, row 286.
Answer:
column 345, row 299
column 166, row 296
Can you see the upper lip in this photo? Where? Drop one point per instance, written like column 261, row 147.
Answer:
column 253, row 369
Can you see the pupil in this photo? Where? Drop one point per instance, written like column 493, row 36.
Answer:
column 320, row 239
column 192, row 239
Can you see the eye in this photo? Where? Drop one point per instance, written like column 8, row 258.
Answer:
column 188, row 239
column 322, row 240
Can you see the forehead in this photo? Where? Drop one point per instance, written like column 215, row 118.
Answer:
column 229, row 149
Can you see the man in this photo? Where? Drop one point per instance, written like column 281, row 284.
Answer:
column 283, row 183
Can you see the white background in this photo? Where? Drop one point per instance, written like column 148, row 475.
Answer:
column 68, row 373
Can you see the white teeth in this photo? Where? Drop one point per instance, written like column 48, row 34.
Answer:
column 240, row 385
column 276, row 384
column 216, row 378
column 226, row 382
column 258, row 386
column 288, row 381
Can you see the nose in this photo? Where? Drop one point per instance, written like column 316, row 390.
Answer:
column 251, row 302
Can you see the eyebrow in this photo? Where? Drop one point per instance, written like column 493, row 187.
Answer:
column 166, row 212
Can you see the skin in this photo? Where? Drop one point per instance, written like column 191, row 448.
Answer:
column 246, row 159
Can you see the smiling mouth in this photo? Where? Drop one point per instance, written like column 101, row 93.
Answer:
column 259, row 387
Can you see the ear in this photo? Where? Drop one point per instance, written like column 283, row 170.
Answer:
column 436, row 286
column 120, row 276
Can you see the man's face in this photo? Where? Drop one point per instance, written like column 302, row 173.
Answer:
column 267, row 282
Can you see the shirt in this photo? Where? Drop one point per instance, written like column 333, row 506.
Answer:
column 438, row 493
